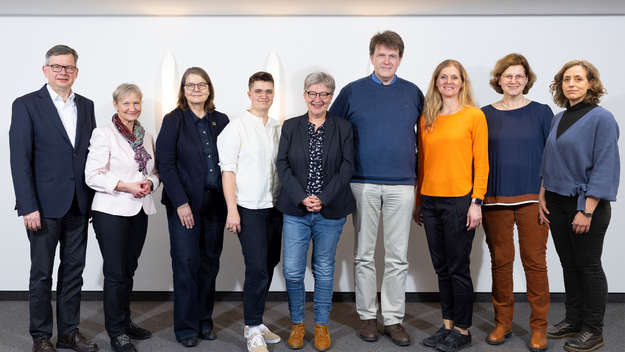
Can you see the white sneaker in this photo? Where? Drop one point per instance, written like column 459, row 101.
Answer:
column 255, row 340
column 268, row 335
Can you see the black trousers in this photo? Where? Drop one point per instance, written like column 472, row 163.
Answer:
column 195, row 263
column 261, row 241
column 71, row 232
column 121, row 240
column 580, row 255
column 444, row 219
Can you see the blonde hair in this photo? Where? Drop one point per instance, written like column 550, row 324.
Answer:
column 433, row 98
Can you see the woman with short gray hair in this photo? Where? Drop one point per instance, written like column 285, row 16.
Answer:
column 120, row 168
column 315, row 164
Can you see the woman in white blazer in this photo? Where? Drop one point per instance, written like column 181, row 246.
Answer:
column 120, row 168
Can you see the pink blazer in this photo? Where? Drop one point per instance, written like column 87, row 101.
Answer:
column 110, row 160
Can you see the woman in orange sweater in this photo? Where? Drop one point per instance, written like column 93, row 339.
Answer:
column 453, row 173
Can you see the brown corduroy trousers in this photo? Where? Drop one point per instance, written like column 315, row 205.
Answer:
column 499, row 224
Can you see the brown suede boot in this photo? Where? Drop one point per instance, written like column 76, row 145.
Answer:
column 498, row 335
column 296, row 338
column 538, row 341
column 322, row 338
column 498, row 226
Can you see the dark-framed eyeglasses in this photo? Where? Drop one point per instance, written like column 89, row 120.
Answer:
column 194, row 86
column 312, row 94
column 59, row 68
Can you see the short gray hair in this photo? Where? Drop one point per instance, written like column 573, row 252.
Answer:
column 61, row 50
column 124, row 89
column 320, row 77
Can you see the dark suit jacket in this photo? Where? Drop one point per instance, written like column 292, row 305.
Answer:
column 180, row 161
column 47, row 171
column 338, row 167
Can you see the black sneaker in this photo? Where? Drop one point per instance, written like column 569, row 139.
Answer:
column 137, row 333
column 122, row 343
column 562, row 329
column 437, row 338
column 584, row 341
column 454, row 341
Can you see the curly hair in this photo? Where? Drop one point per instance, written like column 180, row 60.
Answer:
column 594, row 93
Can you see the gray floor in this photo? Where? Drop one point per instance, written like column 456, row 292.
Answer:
column 421, row 320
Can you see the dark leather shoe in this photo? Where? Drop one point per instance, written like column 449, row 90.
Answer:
column 369, row 330
column 398, row 335
column 498, row 335
column 43, row 345
column 189, row 342
column 585, row 341
column 562, row 329
column 122, row 343
column 437, row 338
column 136, row 332
column 208, row 334
column 454, row 341
column 77, row 342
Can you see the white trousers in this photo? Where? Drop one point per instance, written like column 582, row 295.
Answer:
column 396, row 203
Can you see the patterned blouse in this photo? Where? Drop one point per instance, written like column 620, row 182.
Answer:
column 315, row 166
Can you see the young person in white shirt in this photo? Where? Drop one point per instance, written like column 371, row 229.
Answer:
column 247, row 152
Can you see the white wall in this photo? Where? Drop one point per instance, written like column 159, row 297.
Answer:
column 129, row 49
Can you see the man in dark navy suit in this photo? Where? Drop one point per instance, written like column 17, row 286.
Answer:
column 49, row 140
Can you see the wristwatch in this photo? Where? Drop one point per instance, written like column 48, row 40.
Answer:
column 476, row 201
column 588, row 215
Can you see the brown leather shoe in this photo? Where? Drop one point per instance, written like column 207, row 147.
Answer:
column 538, row 341
column 498, row 335
column 369, row 330
column 43, row 345
column 322, row 338
column 296, row 338
column 398, row 335
column 77, row 342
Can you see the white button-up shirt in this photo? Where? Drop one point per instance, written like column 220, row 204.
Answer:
column 67, row 112
column 248, row 149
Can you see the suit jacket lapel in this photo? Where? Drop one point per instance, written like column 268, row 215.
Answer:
column 328, row 138
column 302, row 134
column 194, row 138
column 81, row 119
column 49, row 113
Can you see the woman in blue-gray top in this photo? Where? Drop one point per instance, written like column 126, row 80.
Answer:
column 517, row 130
column 580, row 174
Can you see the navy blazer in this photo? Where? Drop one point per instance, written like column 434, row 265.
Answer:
column 180, row 161
column 47, row 171
column 338, row 166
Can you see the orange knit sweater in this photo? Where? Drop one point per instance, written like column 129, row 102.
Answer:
column 453, row 155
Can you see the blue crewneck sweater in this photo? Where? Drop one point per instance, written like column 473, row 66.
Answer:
column 584, row 160
column 516, row 139
column 384, row 119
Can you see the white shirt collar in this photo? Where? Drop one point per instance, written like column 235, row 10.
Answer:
column 57, row 98
column 270, row 122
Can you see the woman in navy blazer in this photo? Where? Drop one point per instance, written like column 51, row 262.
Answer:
column 315, row 164
column 187, row 160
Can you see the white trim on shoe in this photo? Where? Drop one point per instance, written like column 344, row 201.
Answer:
column 268, row 335
column 255, row 340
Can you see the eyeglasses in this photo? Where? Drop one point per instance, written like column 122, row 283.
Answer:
column 515, row 77
column 59, row 68
column 312, row 94
column 194, row 86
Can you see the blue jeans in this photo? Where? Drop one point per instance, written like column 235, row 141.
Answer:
column 297, row 233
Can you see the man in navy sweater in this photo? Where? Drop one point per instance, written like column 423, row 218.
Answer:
column 384, row 110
